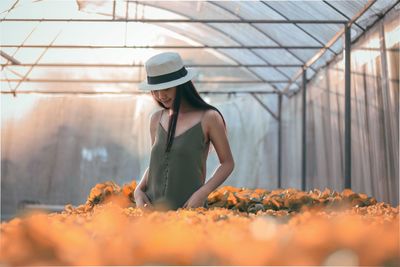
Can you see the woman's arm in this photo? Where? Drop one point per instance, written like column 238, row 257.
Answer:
column 143, row 182
column 153, row 125
column 217, row 134
column 219, row 139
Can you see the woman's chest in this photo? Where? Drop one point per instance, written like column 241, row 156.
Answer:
column 193, row 133
column 186, row 124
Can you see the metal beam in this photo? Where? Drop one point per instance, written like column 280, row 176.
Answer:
column 62, row 65
column 127, row 81
column 265, row 21
column 126, row 93
column 347, row 111
column 168, row 46
column 237, row 92
column 9, row 58
column 113, row 12
column 304, row 132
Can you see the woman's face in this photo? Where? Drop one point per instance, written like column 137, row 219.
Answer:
column 165, row 96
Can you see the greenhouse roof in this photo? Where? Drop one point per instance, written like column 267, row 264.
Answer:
column 100, row 46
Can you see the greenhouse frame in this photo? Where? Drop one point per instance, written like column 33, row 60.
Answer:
column 309, row 91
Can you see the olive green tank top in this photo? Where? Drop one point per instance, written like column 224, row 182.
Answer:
column 175, row 175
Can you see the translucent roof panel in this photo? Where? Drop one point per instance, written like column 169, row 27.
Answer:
column 244, row 56
column 59, row 9
column 200, row 33
column 323, row 32
column 69, row 87
column 290, row 71
column 304, row 54
column 269, row 73
column 119, row 87
column 249, row 9
column 192, row 9
column 304, row 10
column 232, row 87
column 120, row 74
column 244, row 34
column 224, row 74
column 374, row 12
column 277, row 56
column 288, row 34
column 348, row 8
column 118, row 33
column 77, row 73
column 113, row 48
column 112, row 56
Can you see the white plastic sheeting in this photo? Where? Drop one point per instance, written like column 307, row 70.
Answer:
column 374, row 119
column 56, row 148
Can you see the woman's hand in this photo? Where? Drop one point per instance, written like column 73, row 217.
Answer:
column 141, row 198
column 196, row 200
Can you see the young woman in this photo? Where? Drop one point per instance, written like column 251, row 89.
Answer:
column 181, row 134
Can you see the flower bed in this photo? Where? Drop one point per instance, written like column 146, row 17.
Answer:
column 241, row 227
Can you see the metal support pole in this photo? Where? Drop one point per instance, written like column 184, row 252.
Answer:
column 304, row 137
column 347, row 111
column 279, row 141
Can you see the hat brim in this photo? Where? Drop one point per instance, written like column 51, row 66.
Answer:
column 144, row 86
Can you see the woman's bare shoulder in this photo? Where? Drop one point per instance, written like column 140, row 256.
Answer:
column 155, row 118
column 212, row 116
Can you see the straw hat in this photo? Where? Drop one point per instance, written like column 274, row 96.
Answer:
column 165, row 70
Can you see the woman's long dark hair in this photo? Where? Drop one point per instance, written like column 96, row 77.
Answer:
column 190, row 94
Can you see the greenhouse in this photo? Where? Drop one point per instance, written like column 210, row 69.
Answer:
column 309, row 93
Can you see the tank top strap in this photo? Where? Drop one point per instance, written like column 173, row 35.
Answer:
column 201, row 118
column 162, row 112
column 202, row 115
